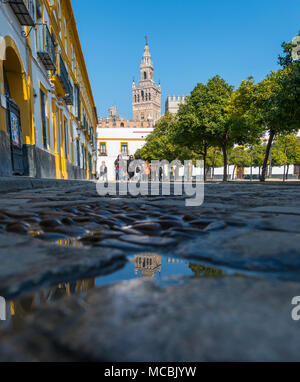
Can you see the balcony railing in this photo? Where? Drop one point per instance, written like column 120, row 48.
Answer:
column 63, row 75
column 46, row 47
column 69, row 98
column 24, row 11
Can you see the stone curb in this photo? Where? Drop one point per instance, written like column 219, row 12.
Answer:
column 23, row 183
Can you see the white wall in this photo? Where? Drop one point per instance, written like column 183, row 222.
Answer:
column 113, row 137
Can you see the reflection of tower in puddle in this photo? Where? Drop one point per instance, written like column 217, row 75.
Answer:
column 148, row 264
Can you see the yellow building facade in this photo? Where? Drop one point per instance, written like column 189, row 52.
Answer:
column 48, row 116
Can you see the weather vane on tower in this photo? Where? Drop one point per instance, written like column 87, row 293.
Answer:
column 146, row 39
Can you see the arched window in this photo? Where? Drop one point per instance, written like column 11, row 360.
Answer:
column 145, row 75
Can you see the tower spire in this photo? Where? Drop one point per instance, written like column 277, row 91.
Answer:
column 146, row 95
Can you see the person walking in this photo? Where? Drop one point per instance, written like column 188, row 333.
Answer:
column 146, row 171
column 119, row 168
column 130, row 170
column 103, row 171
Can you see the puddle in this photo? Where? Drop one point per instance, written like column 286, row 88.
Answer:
column 148, row 266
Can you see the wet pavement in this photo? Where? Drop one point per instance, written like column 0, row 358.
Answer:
column 86, row 276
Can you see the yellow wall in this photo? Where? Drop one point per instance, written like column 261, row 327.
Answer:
column 65, row 32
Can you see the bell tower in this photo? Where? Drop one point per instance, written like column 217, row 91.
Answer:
column 146, row 102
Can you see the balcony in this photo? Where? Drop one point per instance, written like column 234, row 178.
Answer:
column 69, row 98
column 46, row 47
column 63, row 74
column 24, row 11
column 62, row 83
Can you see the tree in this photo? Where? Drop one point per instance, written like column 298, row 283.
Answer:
column 217, row 117
column 278, row 101
column 286, row 152
column 214, row 159
column 287, row 58
column 240, row 157
column 159, row 145
column 191, row 129
column 257, row 155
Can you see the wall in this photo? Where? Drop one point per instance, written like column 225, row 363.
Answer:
column 113, row 138
column 51, row 161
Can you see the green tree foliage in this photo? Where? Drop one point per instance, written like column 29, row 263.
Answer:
column 215, row 118
column 210, row 119
column 203, row 271
column 159, row 145
column 286, row 59
column 286, row 152
column 257, row 155
column 191, row 129
column 240, row 157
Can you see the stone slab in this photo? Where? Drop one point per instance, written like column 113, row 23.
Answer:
column 209, row 319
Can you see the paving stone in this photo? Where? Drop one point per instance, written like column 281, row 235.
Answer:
column 253, row 250
column 208, row 319
column 241, row 228
column 27, row 263
column 148, row 240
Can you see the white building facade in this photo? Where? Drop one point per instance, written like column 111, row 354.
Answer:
column 115, row 141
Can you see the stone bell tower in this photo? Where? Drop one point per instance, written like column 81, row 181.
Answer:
column 146, row 103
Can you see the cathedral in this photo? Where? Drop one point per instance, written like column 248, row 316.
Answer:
column 146, row 97
column 117, row 135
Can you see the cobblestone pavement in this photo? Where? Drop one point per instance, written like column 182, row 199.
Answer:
column 243, row 246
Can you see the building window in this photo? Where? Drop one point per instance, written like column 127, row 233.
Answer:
column 83, row 157
column 145, row 75
column 90, row 169
column 78, row 152
column 39, row 12
column 103, row 148
column 122, row 124
column 66, row 138
column 77, row 102
column 124, row 148
column 44, row 118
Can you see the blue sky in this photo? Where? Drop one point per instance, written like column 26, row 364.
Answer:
column 190, row 41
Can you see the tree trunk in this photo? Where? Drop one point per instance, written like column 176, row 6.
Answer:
column 284, row 168
column 287, row 172
column 205, row 160
column 225, row 176
column 213, row 166
column 265, row 164
column 234, row 167
column 251, row 165
column 270, row 167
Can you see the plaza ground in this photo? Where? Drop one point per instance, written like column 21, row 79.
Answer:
column 238, row 266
